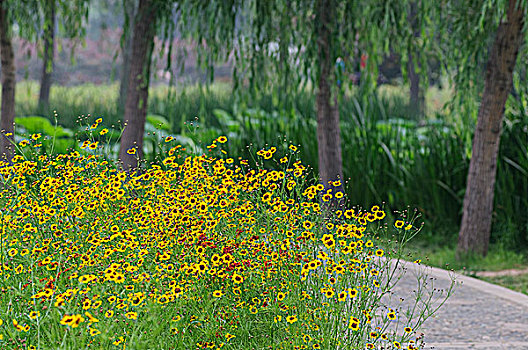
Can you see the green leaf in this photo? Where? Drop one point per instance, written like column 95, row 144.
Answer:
column 159, row 122
column 38, row 124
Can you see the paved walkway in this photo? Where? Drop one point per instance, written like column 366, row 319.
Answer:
column 478, row 315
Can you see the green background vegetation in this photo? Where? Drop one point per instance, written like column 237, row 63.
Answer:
column 389, row 154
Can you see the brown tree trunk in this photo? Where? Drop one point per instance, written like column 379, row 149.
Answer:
column 49, row 51
column 7, row 116
column 417, row 99
column 328, row 133
column 130, row 8
column 478, row 201
column 137, row 92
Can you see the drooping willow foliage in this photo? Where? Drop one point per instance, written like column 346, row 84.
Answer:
column 274, row 44
column 30, row 18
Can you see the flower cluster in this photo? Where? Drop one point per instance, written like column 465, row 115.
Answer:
column 197, row 252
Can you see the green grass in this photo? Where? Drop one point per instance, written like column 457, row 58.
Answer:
column 517, row 283
column 444, row 256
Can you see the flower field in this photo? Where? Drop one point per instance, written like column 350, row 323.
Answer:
column 198, row 252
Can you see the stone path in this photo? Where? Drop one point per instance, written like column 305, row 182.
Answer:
column 478, row 315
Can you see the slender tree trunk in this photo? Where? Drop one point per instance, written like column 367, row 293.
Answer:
column 417, row 99
column 137, row 92
column 478, row 201
column 49, row 53
column 328, row 133
column 8, row 84
column 130, row 8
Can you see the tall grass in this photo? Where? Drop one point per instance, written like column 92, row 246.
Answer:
column 69, row 102
column 387, row 156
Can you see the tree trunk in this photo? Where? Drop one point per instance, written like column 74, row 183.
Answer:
column 49, row 52
column 478, row 201
column 137, row 92
column 130, row 8
column 8, row 84
column 417, row 99
column 328, row 134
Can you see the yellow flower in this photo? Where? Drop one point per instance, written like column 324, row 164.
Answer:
column 91, row 318
column 354, row 323
column 391, row 315
column 131, row 315
column 72, row 320
column 291, row 319
column 104, row 131
column 131, row 151
column 379, row 214
column 87, row 304
column 399, row 223
column 222, row 139
column 237, row 278
column 163, row 299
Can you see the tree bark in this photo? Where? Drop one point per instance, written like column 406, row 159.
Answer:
column 8, row 84
column 130, row 8
column 417, row 99
column 328, row 133
column 478, row 201
column 137, row 92
column 49, row 53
